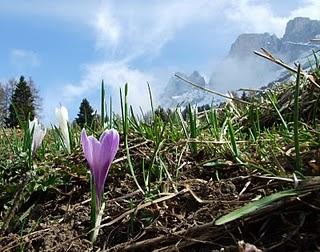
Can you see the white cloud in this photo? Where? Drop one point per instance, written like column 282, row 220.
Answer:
column 253, row 17
column 107, row 29
column 24, row 58
column 143, row 29
column 310, row 8
column 115, row 75
column 130, row 31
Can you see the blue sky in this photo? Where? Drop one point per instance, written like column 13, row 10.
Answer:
column 68, row 47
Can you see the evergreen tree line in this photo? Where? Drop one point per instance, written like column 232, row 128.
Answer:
column 86, row 116
column 20, row 101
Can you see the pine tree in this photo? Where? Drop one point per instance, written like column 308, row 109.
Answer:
column 36, row 96
column 85, row 115
column 22, row 104
column 8, row 89
column 244, row 96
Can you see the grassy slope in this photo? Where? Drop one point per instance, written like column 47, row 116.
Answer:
column 192, row 168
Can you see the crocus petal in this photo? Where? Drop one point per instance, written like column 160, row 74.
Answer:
column 62, row 115
column 62, row 118
column 32, row 124
column 99, row 155
column 91, row 148
column 37, row 132
column 38, row 138
column 109, row 147
column 86, row 146
column 95, row 147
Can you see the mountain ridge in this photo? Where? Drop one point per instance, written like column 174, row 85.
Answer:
column 241, row 68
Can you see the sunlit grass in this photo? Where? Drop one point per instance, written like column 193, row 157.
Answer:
column 268, row 135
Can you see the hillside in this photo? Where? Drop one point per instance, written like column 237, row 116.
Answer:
column 241, row 176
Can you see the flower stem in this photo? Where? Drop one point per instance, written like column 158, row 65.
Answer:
column 93, row 207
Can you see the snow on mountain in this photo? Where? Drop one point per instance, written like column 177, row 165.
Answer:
column 242, row 69
column 178, row 92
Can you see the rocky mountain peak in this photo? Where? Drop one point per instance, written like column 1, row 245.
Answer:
column 176, row 86
column 295, row 42
column 241, row 68
column 301, row 29
column 197, row 78
column 179, row 92
column 247, row 42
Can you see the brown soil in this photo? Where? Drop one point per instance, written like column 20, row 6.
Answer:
column 178, row 221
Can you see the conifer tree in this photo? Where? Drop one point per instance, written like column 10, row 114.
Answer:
column 86, row 114
column 22, row 104
column 37, row 99
column 8, row 89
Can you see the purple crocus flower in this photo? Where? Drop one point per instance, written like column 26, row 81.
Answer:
column 100, row 155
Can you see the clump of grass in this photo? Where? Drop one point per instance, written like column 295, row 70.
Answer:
column 269, row 133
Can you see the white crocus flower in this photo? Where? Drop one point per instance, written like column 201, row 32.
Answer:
column 38, row 134
column 62, row 118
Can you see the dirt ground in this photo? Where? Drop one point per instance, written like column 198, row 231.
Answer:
column 181, row 220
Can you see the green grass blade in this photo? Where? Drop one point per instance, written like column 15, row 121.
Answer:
column 103, row 104
column 296, row 120
column 150, row 97
column 254, row 206
column 134, row 121
column 193, row 128
column 125, row 120
column 110, row 114
column 183, row 123
column 234, row 145
column 277, row 110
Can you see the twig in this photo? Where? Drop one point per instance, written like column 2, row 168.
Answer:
column 16, row 203
column 172, row 195
column 276, row 178
column 209, row 231
column 267, row 55
column 316, row 40
column 211, row 91
column 114, row 199
column 131, row 147
column 12, row 244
